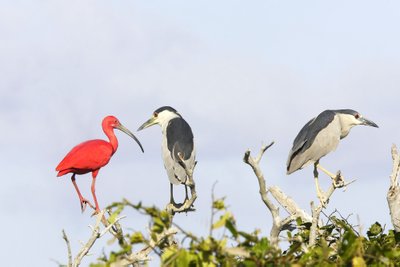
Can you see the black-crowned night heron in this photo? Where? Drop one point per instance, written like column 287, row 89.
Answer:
column 178, row 150
column 320, row 136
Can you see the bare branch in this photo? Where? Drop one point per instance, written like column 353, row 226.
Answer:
column 95, row 235
column 212, row 208
column 288, row 203
column 338, row 182
column 68, row 248
column 393, row 195
column 277, row 222
column 143, row 254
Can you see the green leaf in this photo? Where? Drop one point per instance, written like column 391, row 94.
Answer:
column 231, row 226
column 374, row 230
column 116, row 213
column 136, row 238
column 222, row 220
column 358, row 262
column 219, row 204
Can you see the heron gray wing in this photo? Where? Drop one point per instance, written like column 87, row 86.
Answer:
column 307, row 134
column 179, row 138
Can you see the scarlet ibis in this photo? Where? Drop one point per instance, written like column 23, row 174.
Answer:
column 91, row 155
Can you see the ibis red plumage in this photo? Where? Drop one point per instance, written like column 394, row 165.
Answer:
column 91, row 155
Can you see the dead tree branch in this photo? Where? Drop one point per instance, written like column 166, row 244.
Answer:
column 278, row 224
column 96, row 234
column 68, row 248
column 393, row 195
column 288, row 203
column 338, row 182
column 143, row 255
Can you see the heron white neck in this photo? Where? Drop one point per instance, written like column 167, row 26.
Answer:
column 347, row 122
column 165, row 117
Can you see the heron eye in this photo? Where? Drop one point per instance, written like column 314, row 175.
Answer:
column 357, row 116
column 155, row 114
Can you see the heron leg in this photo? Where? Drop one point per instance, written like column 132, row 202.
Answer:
column 333, row 176
column 320, row 193
column 171, row 199
column 82, row 200
column 186, row 193
column 93, row 188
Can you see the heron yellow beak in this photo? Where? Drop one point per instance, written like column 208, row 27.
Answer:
column 148, row 123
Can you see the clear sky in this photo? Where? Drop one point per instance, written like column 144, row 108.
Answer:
column 242, row 73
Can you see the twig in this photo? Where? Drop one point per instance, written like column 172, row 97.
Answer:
column 96, row 234
column 338, row 182
column 212, row 208
column 143, row 254
column 393, row 195
column 254, row 163
column 68, row 248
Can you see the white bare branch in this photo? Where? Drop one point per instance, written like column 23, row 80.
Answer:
column 143, row 255
column 337, row 182
column 68, row 248
column 393, row 195
column 278, row 224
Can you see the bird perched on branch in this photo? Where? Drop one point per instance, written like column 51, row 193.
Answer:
column 320, row 136
column 91, row 155
column 178, row 150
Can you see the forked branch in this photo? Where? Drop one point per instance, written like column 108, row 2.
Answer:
column 290, row 206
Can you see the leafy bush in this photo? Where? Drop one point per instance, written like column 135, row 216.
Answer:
column 338, row 244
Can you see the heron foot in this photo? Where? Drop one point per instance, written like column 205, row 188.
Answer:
column 338, row 181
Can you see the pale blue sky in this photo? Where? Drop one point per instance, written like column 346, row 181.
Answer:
column 240, row 73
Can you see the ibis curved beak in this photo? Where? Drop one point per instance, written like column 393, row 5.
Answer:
column 367, row 122
column 148, row 123
column 125, row 130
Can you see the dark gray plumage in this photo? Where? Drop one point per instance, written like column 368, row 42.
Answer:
column 178, row 150
column 321, row 135
column 179, row 138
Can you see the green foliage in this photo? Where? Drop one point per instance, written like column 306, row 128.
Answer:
column 338, row 244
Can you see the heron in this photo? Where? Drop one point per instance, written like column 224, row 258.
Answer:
column 320, row 136
column 178, row 150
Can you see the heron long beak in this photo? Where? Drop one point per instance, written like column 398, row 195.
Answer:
column 125, row 130
column 365, row 121
column 148, row 123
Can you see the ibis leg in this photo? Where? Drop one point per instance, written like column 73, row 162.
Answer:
column 93, row 188
column 82, row 200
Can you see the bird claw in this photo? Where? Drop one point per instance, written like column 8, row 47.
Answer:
column 84, row 203
column 338, row 181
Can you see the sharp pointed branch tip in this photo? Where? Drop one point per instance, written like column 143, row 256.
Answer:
column 394, row 152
